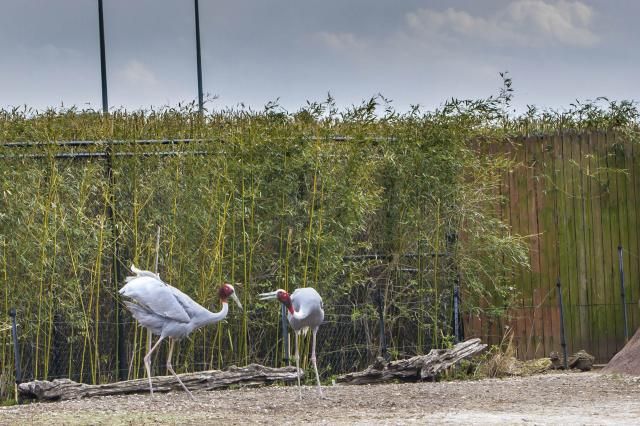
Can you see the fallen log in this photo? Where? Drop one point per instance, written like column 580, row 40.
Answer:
column 62, row 389
column 422, row 367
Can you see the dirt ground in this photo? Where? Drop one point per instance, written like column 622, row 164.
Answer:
column 556, row 398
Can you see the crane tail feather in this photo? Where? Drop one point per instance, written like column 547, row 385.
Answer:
column 141, row 273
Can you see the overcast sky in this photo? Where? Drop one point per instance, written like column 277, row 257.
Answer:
column 255, row 51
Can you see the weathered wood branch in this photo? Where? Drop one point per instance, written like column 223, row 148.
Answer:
column 253, row 374
column 423, row 367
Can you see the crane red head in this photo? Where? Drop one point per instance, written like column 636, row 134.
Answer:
column 282, row 296
column 227, row 291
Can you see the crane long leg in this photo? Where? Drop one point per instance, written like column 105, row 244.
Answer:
column 149, row 340
column 313, row 359
column 147, row 362
column 170, row 368
column 298, row 362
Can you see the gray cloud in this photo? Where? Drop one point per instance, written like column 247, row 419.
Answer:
column 522, row 22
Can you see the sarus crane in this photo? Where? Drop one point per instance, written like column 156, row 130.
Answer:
column 169, row 313
column 304, row 312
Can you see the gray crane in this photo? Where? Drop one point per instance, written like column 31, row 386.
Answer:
column 166, row 311
column 304, row 312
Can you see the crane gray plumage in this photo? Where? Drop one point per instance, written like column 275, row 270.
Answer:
column 308, row 314
column 307, row 304
column 168, row 312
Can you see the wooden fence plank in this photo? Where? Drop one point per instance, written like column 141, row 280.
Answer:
column 582, row 296
column 569, row 280
column 538, row 290
column 541, row 293
column 554, row 266
column 560, row 203
column 634, row 230
column 545, row 229
column 595, row 253
column 563, row 189
column 610, row 243
column 605, row 228
column 621, row 210
column 514, row 220
column 597, row 190
column 629, row 242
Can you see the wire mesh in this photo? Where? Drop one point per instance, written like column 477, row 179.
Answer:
column 348, row 340
column 89, row 211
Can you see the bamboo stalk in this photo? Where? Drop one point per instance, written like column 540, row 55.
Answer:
column 50, row 296
column 245, row 266
column 174, row 273
column 281, row 261
column 420, row 336
column 218, row 251
column 136, row 208
column 97, row 273
column 157, row 250
column 79, row 295
column 435, row 279
column 319, row 240
column 310, row 228
column 287, row 278
column 249, row 279
column 5, row 282
column 43, row 259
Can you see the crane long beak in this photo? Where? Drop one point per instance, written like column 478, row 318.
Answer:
column 268, row 296
column 235, row 299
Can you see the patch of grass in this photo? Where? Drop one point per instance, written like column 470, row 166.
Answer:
column 7, row 402
column 501, row 361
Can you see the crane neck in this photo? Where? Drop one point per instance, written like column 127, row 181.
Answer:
column 213, row 317
column 289, row 307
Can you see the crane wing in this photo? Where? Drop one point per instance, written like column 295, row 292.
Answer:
column 307, row 306
column 306, row 298
column 158, row 297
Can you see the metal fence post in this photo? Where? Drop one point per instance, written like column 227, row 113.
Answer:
column 285, row 333
column 563, row 341
column 16, row 349
column 622, row 294
column 452, row 238
column 456, row 309
column 383, row 344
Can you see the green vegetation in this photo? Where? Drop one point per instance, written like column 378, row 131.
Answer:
column 266, row 198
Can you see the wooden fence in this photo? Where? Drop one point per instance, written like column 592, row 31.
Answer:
column 575, row 194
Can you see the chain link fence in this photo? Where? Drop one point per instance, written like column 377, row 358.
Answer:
column 72, row 324
column 350, row 338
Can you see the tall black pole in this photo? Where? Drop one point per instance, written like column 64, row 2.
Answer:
column 622, row 294
column 198, row 57
column 103, row 59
